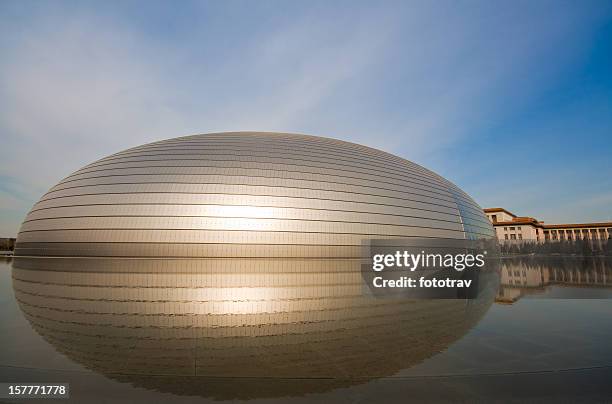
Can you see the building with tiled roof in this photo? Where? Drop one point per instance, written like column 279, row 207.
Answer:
column 509, row 226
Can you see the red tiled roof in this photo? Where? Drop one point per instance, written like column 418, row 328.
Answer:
column 518, row 220
column 493, row 210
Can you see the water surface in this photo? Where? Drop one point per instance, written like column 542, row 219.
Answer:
column 542, row 333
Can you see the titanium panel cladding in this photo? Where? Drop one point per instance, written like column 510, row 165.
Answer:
column 245, row 195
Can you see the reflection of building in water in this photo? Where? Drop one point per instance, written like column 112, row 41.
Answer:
column 532, row 276
column 7, row 245
column 279, row 221
column 510, row 227
column 276, row 325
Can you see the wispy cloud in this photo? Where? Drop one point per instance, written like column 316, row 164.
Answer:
column 416, row 79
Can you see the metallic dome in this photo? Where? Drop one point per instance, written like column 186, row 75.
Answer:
column 243, row 195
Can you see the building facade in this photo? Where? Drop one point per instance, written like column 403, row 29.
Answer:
column 509, row 226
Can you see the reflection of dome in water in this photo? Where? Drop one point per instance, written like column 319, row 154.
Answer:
column 245, row 195
column 229, row 237
column 281, row 327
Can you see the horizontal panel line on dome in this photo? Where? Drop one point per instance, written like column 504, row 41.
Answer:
column 103, row 187
column 30, row 264
column 287, row 156
column 332, row 170
column 191, row 287
column 266, row 136
column 243, row 194
column 213, row 293
column 294, row 216
column 290, row 290
column 178, row 205
column 182, row 257
column 219, row 237
column 450, row 202
column 243, row 137
column 206, row 139
column 329, row 296
column 48, row 276
column 199, row 145
column 405, row 178
column 179, row 257
column 250, row 148
column 146, row 243
column 160, row 280
column 239, row 199
column 140, row 292
column 399, row 170
column 297, row 145
column 148, row 229
column 224, row 172
column 79, row 173
column 245, row 217
column 419, row 174
column 224, row 176
column 288, row 180
column 218, row 225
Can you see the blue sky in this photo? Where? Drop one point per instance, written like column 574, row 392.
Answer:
column 512, row 101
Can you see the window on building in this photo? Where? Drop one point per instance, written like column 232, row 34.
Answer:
column 513, row 237
column 520, row 236
column 506, row 236
column 511, row 228
column 494, row 218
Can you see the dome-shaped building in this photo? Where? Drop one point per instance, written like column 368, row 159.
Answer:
column 237, row 255
column 243, row 195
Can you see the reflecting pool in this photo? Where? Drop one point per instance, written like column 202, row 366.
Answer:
column 188, row 330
